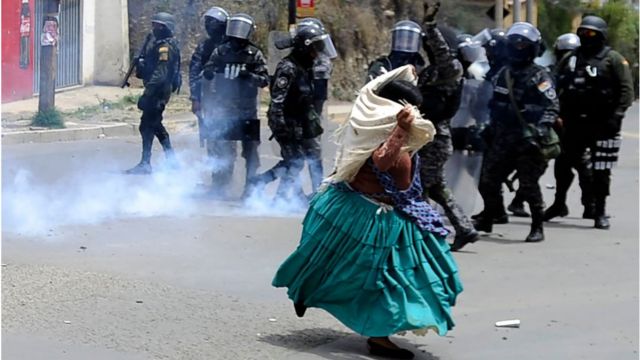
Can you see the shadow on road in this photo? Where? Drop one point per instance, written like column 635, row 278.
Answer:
column 334, row 345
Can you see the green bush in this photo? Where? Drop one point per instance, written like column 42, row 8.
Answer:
column 48, row 118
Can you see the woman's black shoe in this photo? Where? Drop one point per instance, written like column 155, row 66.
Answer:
column 392, row 353
column 300, row 309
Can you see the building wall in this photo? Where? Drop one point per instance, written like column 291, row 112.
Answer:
column 111, row 52
column 17, row 83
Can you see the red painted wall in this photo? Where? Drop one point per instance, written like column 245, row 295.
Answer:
column 17, row 83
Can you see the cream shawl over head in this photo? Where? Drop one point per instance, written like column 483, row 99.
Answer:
column 371, row 121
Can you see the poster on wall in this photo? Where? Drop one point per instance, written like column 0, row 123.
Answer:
column 50, row 33
column 305, row 8
column 25, row 34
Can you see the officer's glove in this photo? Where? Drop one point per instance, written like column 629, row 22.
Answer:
column 613, row 125
column 430, row 11
column 208, row 74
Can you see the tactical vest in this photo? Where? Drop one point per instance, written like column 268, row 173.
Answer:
column 587, row 86
column 152, row 60
column 526, row 94
column 236, row 96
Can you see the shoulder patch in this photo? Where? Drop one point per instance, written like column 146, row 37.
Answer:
column 544, row 86
column 282, row 82
column 164, row 53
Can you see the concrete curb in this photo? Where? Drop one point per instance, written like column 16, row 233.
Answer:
column 55, row 135
column 106, row 131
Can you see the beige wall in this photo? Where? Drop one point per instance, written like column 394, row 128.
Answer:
column 105, row 41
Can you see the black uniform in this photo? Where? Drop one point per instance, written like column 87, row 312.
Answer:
column 394, row 60
column 441, row 87
column 513, row 146
column 237, row 69
column 158, row 73
column 595, row 91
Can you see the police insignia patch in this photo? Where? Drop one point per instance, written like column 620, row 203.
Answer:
column 544, row 86
column 282, row 82
column 550, row 94
column 164, row 53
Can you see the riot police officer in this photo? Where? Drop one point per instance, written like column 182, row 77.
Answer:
column 215, row 24
column 441, row 86
column 159, row 70
column 524, row 108
column 321, row 73
column 405, row 50
column 292, row 117
column 596, row 89
column 565, row 44
column 237, row 69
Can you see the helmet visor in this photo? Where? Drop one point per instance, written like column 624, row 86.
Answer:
column 324, row 46
column 239, row 27
column 472, row 53
column 406, row 39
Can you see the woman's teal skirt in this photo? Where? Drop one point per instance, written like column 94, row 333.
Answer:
column 371, row 268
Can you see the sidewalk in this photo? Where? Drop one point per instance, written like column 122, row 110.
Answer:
column 95, row 112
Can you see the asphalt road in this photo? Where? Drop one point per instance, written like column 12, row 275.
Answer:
column 103, row 266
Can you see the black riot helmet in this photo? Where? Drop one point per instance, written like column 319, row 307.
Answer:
column 523, row 43
column 406, row 36
column 564, row 44
column 494, row 42
column 168, row 25
column 240, row 26
column 215, row 22
column 311, row 22
column 312, row 41
column 592, row 33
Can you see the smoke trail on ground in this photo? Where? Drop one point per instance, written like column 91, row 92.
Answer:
column 33, row 207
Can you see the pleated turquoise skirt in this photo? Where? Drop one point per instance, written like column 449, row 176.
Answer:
column 371, row 268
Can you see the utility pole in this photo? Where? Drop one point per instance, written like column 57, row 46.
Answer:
column 530, row 11
column 516, row 11
column 499, row 13
column 48, row 55
column 292, row 15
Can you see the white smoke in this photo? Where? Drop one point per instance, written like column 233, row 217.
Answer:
column 32, row 206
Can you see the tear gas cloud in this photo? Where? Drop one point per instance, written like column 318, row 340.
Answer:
column 32, row 206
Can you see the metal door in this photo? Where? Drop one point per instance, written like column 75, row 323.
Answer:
column 69, row 66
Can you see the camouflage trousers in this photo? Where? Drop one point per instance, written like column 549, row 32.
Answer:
column 433, row 157
column 498, row 163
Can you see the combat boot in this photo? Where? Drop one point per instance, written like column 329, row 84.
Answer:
column 536, row 234
column 483, row 223
column 463, row 239
column 589, row 211
column 143, row 168
column 601, row 219
column 497, row 219
column 555, row 210
column 517, row 209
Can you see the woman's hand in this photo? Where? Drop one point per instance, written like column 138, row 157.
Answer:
column 405, row 118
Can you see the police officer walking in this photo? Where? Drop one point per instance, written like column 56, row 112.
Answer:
column 215, row 24
column 441, row 86
column 596, row 88
column 523, row 109
column 236, row 69
column 159, row 70
column 292, row 116
column 321, row 74
column 405, row 50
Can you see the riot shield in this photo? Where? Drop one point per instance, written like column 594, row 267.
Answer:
column 463, row 175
